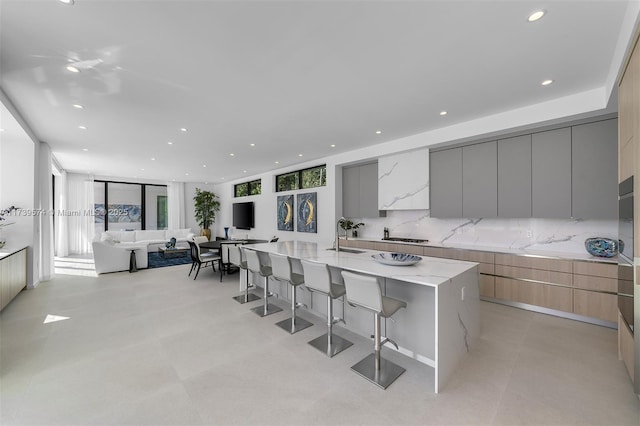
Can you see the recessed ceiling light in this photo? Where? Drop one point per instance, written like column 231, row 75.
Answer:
column 244, row 171
column 333, row 145
column 232, row 155
column 204, row 165
column 153, row 158
column 222, row 178
column 85, row 149
column 69, row 2
column 276, row 162
column 1, row 130
column 299, row 155
column 186, row 174
column 443, row 112
column 546, row 82
column 252, row 144
column 536, row 15
column 82, row 127
column 78, row 106
column 183, row 129
column 169, row 143
column 378, row 132
column 72, row 68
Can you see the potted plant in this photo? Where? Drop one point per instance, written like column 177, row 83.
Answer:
column 349, row 225
column 206, row 205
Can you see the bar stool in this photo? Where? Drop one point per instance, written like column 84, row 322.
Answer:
column 318, row 278
column 364, row 291
column 282, row 270
column 254, row 264
column 236, row 258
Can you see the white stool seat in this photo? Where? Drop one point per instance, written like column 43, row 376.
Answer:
column 236, row 258
column 283, row 270
column 364, row 291
column 318, row 278
column 256, row 265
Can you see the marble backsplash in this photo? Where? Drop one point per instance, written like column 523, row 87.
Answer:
column 565, row 236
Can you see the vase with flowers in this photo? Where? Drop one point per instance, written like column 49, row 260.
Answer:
column 3, row 222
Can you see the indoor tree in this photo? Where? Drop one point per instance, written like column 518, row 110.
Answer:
column 206, row 205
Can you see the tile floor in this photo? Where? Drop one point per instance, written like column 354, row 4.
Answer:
column 156, row 348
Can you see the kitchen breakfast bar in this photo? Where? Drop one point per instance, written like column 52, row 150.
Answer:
column 441, row 322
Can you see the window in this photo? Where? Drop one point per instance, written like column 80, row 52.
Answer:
column 302, row 179
column 247, row 188
column 129, row 206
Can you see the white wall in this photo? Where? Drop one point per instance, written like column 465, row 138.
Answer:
column 18, row 174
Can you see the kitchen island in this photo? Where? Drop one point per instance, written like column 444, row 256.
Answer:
column 441, row 322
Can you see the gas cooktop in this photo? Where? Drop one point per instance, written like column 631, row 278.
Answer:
column 405, row 240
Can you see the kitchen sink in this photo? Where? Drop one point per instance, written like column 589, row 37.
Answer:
column 348, row 250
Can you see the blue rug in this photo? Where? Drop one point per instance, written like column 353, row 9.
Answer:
column 157, row 261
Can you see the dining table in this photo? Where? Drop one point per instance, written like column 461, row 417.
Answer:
column 219, row 246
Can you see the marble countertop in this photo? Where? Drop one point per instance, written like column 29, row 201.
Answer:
column 430, row 271
column 505, row 250
column 8, row 251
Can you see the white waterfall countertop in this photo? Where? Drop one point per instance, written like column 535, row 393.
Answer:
column 430, row 271
column 441, row 323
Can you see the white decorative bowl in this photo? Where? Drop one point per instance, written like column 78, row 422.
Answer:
column 396, row 259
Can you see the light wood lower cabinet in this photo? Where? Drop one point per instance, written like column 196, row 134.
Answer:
column 581, row 287
column 625, row 346
column 547, row 296
column 596, row 305
column 13, row 276
column 487, row 286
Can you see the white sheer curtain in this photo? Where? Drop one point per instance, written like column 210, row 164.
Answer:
column 62, row 240
column 175, row 201
column 80, row 221
column 46, row 205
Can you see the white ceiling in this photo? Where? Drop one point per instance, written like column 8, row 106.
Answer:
column 290, row 77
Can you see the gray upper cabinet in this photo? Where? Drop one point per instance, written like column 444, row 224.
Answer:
column 594, row 171
column 551, row 173
column 514, row 177
column 446, row 183
column 369, row 190
column 351, row 191
column 360, row 191
column 480, row 180
column 561, row 173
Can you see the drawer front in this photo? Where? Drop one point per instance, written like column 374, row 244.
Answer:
column 487, row 268
column 548, row 296
column 552, row 277
column 434, row 252
column 487, row 286
column 471, row 256
column 595, row 305
column 559, row 265
column 595, row 283
column 595, row 269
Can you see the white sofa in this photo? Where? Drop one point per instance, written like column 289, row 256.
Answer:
column 152, row 238
column 111, row 251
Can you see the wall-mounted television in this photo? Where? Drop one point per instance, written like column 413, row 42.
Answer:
column 243, row 215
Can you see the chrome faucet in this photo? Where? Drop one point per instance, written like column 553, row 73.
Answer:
column 337, row 243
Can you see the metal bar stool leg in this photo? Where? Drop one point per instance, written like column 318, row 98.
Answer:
column 267, row 308
column 329, row 343
column 294, row 324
